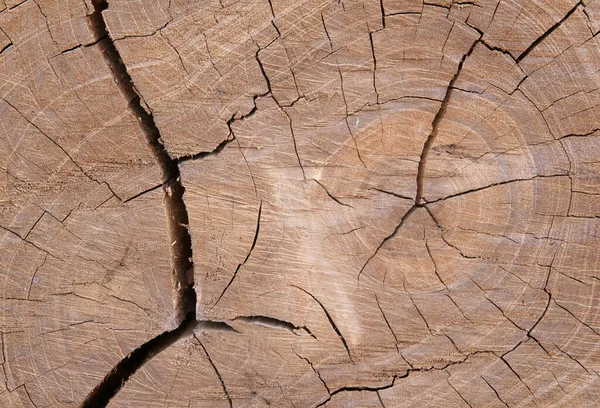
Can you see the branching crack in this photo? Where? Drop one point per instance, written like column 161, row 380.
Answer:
column 177, row 216
column 177, row 224
column 356, row 388
column 24, row 239
column 530, row 330
column 387, row 238
column 180, row 240
column 399, row 377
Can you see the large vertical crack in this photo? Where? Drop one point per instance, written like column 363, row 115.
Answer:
column 177, row 216
column 184, row 299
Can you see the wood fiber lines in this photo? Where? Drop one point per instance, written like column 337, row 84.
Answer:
column 380, row 203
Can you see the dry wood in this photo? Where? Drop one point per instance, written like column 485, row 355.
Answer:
column 376, row 203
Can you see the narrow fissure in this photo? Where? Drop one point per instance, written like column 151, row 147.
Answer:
column 184, row 299
column 388, row 324
column 386, row 239
column 362, row 389
column 217, row 373
column 435, row 127
column 274, row 323
column 256, row 232
column 331, row 322
column 334, row 198
column 545, row 35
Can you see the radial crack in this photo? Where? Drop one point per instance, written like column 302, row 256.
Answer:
column 518, row 376
column 294, row 142
column 500, row 183
column 495, row 392
column 177, row 225
column 546, row 33
column 421, row 314
column 375, row 61
column 315, row 371
column 202, row 155
column 148, row 190
column 330, row 319
column 256, row 232
column 331, row 195
column 386, row 239
column 387, row 323
column 217, row 373
column 435, row 126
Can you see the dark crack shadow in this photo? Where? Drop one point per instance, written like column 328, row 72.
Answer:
column 120, row 373
column 177, row 216
column 184, row 299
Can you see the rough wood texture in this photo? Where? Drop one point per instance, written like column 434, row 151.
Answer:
column 299, row 204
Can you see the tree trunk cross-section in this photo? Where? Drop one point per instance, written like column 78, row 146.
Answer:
column 316, row 203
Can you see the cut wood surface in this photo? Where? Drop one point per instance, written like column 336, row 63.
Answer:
column 252, row 203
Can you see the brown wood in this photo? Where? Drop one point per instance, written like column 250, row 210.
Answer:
column 299, row 204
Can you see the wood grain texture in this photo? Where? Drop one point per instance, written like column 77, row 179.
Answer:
column 391, row 203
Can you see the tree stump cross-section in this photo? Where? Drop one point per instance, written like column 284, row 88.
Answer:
column 251, row 203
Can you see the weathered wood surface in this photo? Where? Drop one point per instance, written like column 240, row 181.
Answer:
column 390, row 203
